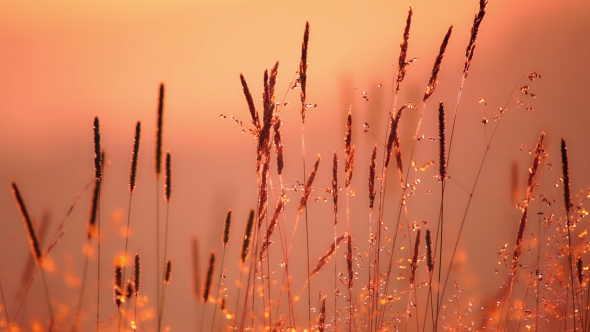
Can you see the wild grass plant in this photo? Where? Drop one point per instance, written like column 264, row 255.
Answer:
column 398, row 273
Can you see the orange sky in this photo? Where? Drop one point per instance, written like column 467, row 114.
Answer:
column 62, row 63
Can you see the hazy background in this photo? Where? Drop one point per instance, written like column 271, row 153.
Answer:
column 65, row 62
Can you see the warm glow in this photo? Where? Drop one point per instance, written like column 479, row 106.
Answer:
column 460, row 124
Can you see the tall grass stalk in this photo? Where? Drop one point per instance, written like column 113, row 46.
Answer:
column 90, row 233
column 469, row 52
column 567, row 197
column 430, row 88
column 224, row 241
column 489, row 141
column 158, row 171
column 98, row 163
column 132, row 185
column 246, row 239
column 349, row 170
column 375, row 248
column 136, row 284
column 303, row 83
column 335, row 203
column 167, row 195
column 165, row 280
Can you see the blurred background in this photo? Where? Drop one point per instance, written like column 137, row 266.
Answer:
column 65, row 62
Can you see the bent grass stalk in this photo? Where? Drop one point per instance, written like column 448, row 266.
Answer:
column 35, row 247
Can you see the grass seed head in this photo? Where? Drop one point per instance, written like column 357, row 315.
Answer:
column 442, row 158
column 34, row 242
column 335, row 186
column 159, row 128
column 134, row 158
column 429, row 257
column 137, row 274
column 168, row 272
column 251, row 108
column 433, row 82
column 246, row 238
column 168, row 183
column 402, row 63
column 209, row 280
column 91, row 230
column 372, row 166
column 227, row 228
column 118, row 295
column 97, row 155
column 303, row 71
column 326, row 257
column 567, row 196
column 473, row 38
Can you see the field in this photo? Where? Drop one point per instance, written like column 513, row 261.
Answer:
column 326, row 166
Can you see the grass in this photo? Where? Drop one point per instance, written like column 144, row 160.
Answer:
column 397, row 273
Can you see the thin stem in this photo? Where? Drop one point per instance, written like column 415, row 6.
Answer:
column 51, row 321
column 98, row 257
column 488, row 144
column 158, row 273
column 20, row 305
column 202, row 316
column 135, row 313
column 84, row 275
column 162, row 307
column 218, row 288
column 402, row 205
column 336, row 278
column 441, row 224
column 350, row 307
column 283, row 237
column 429, row 297
column 570, row 261
column 165, row 257
column 238, row 296
column 127, row 234
column 253, row 255
column 306, row 228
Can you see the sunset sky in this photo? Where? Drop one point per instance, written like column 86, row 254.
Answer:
column 64, row 62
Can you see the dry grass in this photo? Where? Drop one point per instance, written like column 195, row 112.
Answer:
column 389, row 278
